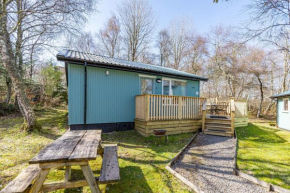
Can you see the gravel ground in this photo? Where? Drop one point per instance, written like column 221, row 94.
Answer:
column 208, row 163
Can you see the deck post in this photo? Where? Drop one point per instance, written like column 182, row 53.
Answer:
column 203, row 115
column 180, row 108
column 233, row 109
column 147, row 107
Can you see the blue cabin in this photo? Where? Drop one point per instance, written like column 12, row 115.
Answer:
column 103, row 92
column 283, row 114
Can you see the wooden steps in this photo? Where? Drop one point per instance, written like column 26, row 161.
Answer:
column 218, row 133
column 219, row 127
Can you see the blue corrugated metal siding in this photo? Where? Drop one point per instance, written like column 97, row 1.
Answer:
column 158, row 86
column 76, row 82
column 191, row 88
column 111, row 98
column 283, row 117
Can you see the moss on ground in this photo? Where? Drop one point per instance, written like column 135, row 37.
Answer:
column 265, row 153
column 142, row 160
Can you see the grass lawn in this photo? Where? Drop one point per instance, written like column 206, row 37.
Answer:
column 265, row 153
column 142, row 160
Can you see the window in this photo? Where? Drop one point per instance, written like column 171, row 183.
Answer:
column 146, row 85
column 166, row 85
column 173, row 87
column 286, row 104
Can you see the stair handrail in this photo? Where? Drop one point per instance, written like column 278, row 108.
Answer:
column 233, row 109
column 203, row 115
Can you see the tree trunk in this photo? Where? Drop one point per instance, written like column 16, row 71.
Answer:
column 269, row 107
column 8, row 84
column 261, row 97
column 8, row 96
column 8, row 59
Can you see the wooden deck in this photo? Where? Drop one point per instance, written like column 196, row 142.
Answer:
column 146, row 128
column 175, row 114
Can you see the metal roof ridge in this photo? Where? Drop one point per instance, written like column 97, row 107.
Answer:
column 74, row 54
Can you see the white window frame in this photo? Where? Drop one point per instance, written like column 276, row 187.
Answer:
column 147, row 76
column 284, row 99
column 170, row 88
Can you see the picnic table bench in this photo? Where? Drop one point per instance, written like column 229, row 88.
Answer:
column 74, row 148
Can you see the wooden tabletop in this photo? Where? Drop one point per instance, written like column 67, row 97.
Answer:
column 80, row 145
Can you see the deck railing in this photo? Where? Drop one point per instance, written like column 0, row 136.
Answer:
column 163, row 107
column 219, row 108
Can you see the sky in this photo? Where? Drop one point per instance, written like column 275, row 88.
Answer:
column 204, row 13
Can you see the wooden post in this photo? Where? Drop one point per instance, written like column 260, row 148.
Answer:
column 179, row 108
column 67, row 173
column 233, row 109
column 39, row 181
column 203, row 115
column 147, row 107
column 90, row 179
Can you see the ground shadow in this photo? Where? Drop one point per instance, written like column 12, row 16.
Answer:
column 131, row 176
column 259, row 134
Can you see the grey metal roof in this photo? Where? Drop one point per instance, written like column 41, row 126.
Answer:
column 287, row 93
column 72, row 55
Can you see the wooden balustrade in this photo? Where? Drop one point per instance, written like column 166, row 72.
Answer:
column 163, row 107
column 233, row 112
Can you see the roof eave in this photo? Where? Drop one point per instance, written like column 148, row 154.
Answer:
column 61, row 57
column 282, row 96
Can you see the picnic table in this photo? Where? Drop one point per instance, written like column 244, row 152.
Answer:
column 74, row 148
column 216, row 109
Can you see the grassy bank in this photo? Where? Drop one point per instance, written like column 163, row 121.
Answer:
column 265, row 153
column 142, row 160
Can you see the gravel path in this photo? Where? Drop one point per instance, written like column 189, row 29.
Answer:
column 208, row 163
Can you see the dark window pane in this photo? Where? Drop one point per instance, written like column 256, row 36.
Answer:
column 178, row 88
column 146, row 86
column 166, row 84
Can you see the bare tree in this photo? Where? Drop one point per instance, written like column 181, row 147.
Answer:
column 180, row 34
column 25, row 21
column 163, row 45
column 138, row 21
column 196, row 54
column 84, row 42
column 269, row 21
column 257, row 65
column 225, row 54
column 110, row 37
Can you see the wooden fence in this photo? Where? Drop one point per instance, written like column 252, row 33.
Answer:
column 163, row 107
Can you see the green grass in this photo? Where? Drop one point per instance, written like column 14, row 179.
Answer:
column 142, row 160
column 265, row 153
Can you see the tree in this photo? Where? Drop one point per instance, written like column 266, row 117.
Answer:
column 270, row 20
column 163, row 45
column 9, row 59
column 51, row 81
column 181, row 33
column 24, row 23
column 257, row 65
column 110, row 38
column 225, row 54
column 84, row 42
column 196, row 54
column 138, row 20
